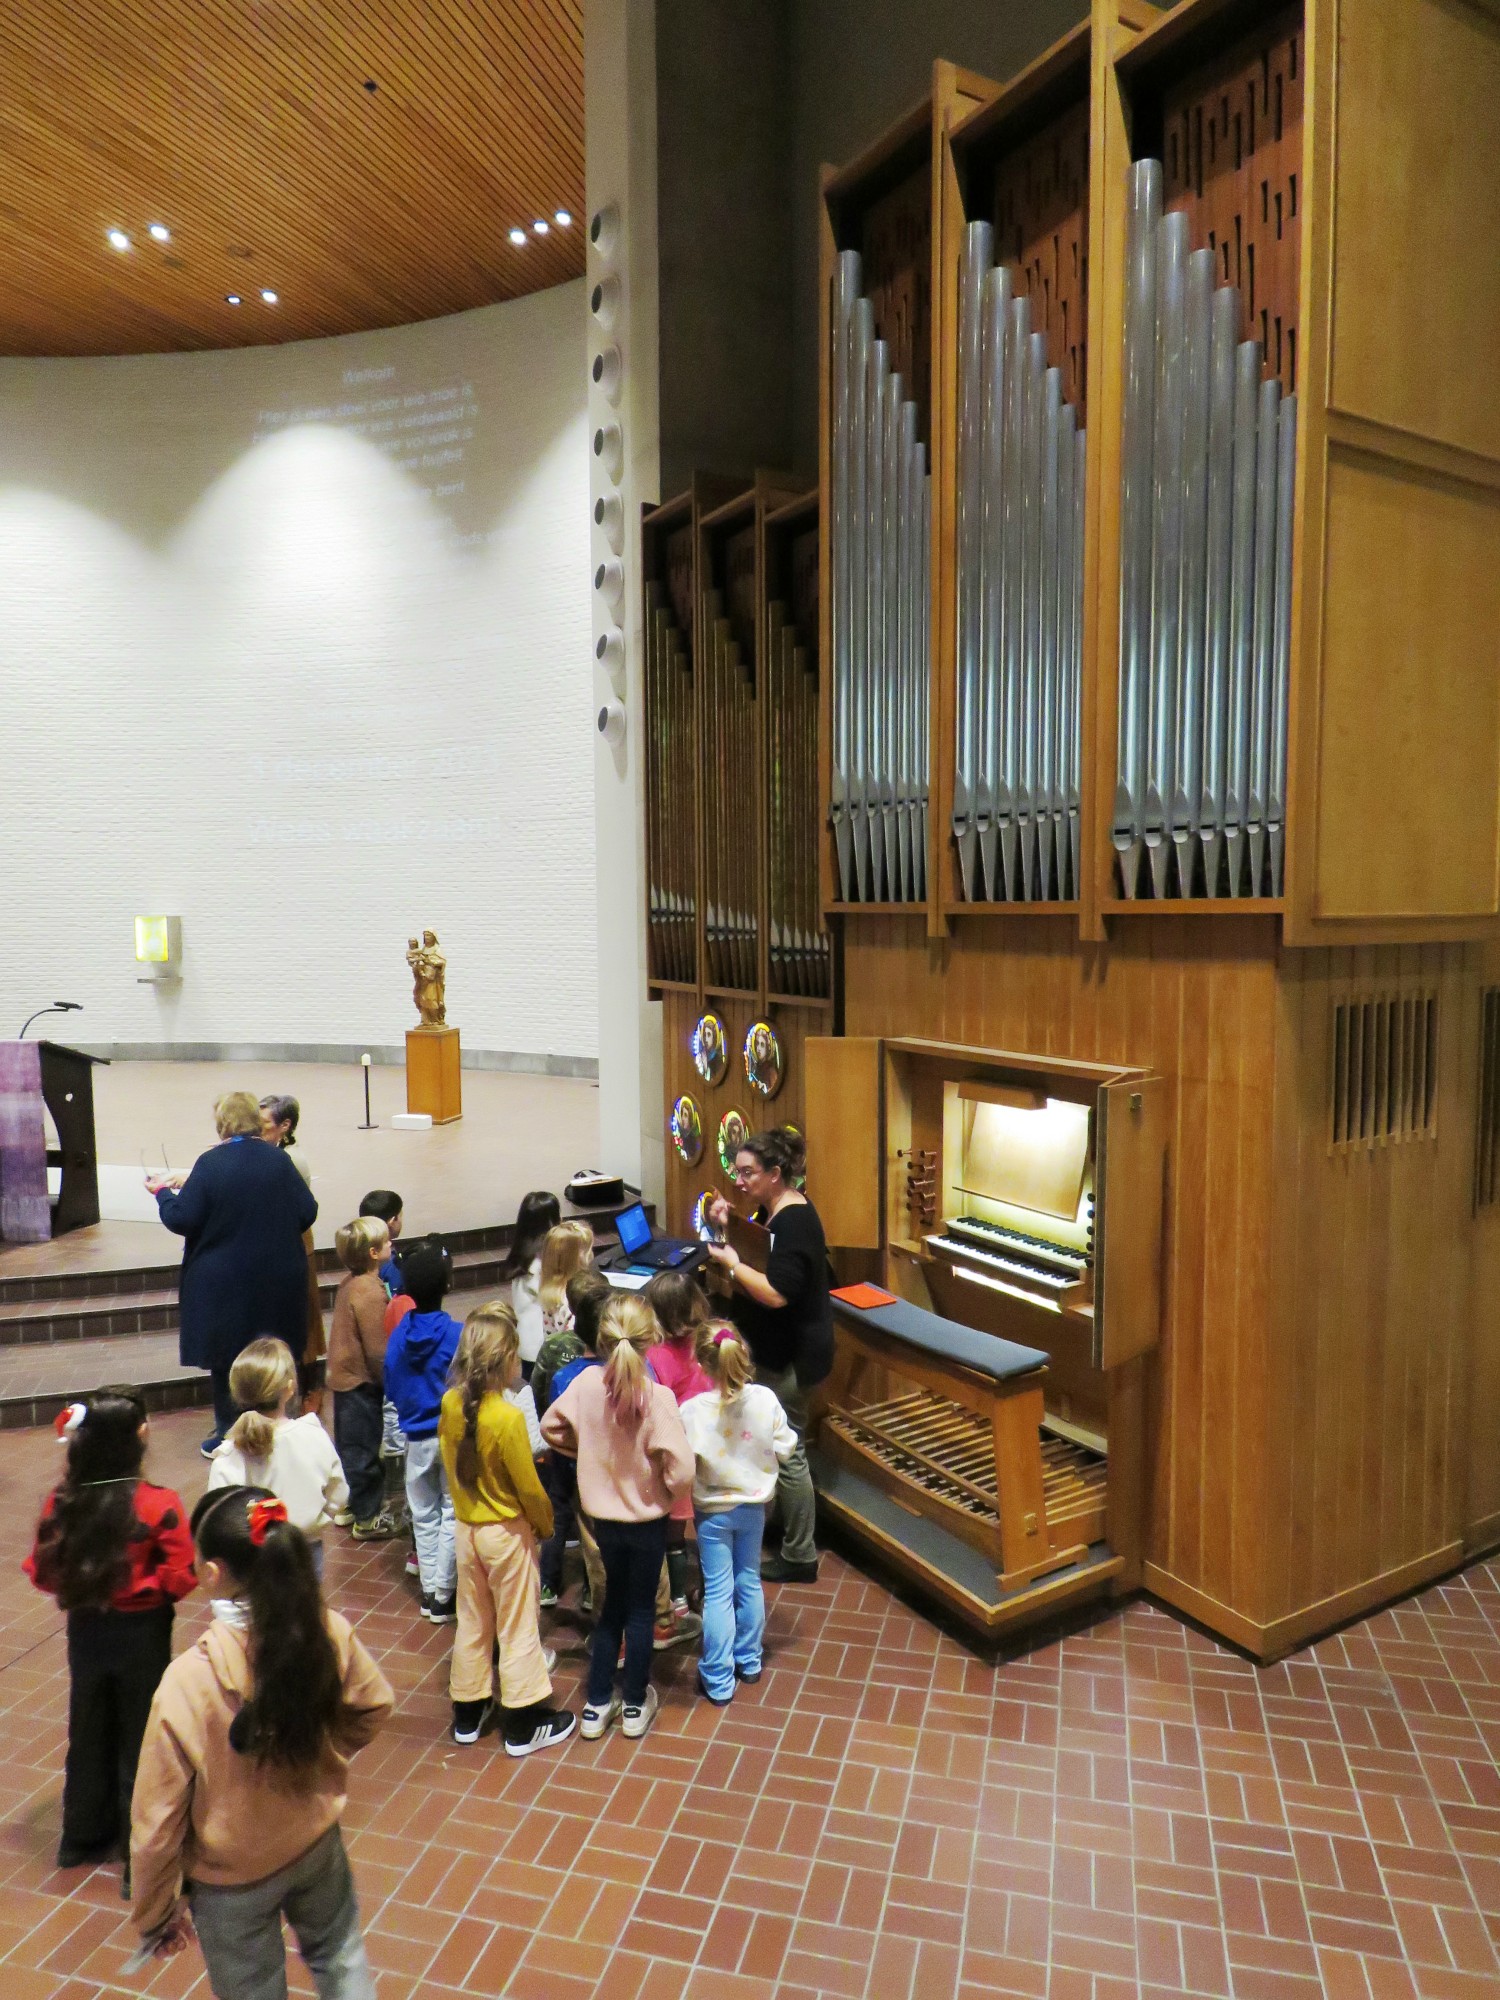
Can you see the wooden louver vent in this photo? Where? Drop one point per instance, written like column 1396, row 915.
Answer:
column 1487, row 1139
column 1384, row 1070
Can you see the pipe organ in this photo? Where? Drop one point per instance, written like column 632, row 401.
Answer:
column 981, row 1399
column 1152, row 641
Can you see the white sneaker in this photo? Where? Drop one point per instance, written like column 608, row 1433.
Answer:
column 597, row 1720
column 549, row 1659
column 413, row 1567
column 636, row 1721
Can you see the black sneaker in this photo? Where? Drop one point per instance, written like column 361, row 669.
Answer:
column 441, row 1610
column 776, row 1569
column 538, row 1729
column 749, row 1675
column 469, row 1719
column 718, row 1700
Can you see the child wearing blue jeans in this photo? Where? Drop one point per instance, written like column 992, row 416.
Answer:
column 739, row 1434
column 418, row 1356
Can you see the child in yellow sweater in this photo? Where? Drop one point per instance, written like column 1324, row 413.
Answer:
column 500, row 1514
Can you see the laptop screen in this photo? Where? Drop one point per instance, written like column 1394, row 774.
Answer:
column 635, row 1230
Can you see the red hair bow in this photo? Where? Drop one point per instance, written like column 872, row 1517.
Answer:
column 262, row 1514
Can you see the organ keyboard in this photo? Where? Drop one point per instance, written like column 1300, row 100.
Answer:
column 967, row 1433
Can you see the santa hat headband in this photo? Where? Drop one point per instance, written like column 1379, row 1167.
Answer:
column 68, row 1419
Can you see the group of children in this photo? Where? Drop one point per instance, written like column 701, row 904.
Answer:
column 563, row 1406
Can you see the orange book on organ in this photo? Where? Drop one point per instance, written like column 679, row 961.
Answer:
column 864, row 1296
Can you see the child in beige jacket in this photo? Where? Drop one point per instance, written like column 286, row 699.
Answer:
column 244, row 1768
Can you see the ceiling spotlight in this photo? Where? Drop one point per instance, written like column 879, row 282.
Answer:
column 518, row 237
column 540, row 226
column 562, row 218
column 269, row 297
column 159, row 233
column 231, row 298
column 118, row 240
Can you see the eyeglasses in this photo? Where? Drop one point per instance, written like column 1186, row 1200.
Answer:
column 746, row 1173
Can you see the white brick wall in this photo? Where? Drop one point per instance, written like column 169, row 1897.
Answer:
column 295, row 645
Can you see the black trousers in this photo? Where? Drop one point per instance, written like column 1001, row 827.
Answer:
column 632, row 1553
column 358, row 1425
column 115, row 1660
column 226, row 1409
column 560, row 1477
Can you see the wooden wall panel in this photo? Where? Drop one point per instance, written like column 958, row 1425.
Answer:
column 1407, row 812
column 1041, row 223
column 1158, row 1000
column 1417, row 214
column 1307, row 1455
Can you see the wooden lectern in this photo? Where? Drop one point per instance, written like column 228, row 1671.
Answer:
column 433, row 1074
column 68, row 1088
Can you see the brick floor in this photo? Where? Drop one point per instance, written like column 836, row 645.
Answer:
column 1130, row 1811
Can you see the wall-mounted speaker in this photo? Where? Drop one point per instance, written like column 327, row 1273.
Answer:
column 609, row 450
column 609, row 653
column 611, row 722
column 604, row 229
column 609, row 582
column 606, row 372
column 604, row 301
column 609, row 519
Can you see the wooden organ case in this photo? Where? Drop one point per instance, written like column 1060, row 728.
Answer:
column 980, row 1432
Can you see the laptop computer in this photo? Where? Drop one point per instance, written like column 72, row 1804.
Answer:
column 641, row 1250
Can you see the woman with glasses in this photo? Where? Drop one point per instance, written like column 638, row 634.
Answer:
column 786, row 1319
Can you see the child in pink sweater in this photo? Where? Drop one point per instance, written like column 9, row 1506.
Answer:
column 633, row 1461
column 681, row 1306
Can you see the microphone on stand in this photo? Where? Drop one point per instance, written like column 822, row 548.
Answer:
column 57, row 1007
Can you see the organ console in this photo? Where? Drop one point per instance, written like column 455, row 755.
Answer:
column 980, row 1431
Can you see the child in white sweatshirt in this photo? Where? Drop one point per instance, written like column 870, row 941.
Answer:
column 739, row 1433
column 292, row 1457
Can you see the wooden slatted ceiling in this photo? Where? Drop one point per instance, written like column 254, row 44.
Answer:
column 245, row 126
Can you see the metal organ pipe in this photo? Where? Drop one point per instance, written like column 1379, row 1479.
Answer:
column 880, row 668
column 1205, row 578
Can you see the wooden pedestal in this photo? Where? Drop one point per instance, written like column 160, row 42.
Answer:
column 432, row 1074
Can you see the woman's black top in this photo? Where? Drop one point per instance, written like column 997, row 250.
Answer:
column 798, row 1335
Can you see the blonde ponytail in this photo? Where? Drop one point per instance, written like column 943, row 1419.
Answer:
column 488, row 1349
column 724, row 1358
column 264, row 1375
column 627, row 1330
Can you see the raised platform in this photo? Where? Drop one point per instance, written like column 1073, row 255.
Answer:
column 100, row 1304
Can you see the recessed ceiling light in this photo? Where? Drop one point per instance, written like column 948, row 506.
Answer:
column 231, row 298
column 518, row 236
column 562, row 218
column 269, row 297
column 118, row 240
column 159, row 232
column 540, row 226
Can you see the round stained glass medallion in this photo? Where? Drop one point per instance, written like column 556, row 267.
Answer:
column 710, row 1049
column 764, row 1068
column 702, row 1227
column 686, row 1127
column 733, row 1132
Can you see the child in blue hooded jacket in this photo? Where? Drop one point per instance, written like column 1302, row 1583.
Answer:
column 417, row 1359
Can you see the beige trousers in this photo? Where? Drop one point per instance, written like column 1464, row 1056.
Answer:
column 499, row 1597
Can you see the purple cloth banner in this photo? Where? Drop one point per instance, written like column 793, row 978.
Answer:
column 25, row 1212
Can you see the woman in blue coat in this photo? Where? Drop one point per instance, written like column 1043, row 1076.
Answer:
column 243, row 1210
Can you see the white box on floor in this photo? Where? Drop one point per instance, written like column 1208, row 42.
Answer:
column 412, row 1121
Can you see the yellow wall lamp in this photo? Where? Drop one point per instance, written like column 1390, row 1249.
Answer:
column 158, row 950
